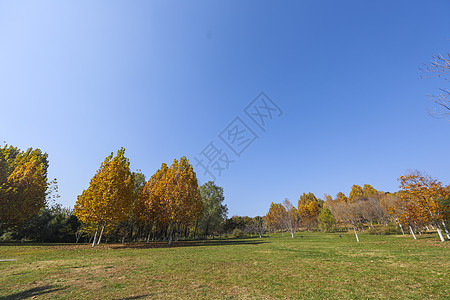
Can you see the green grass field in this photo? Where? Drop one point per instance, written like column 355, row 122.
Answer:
column 316, row 266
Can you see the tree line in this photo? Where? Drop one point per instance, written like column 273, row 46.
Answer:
column 120, row 205
column 421, row 204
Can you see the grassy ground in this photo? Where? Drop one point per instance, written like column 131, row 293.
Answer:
column 316, row 265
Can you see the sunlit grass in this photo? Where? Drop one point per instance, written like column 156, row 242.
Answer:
column 317, row 265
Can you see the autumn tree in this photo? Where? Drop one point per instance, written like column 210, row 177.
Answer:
column 340, row 197
column 369, row 191
column 274, row 215
column 420, row 201
column 133, row 224
column 110, row 194
column 149, row 207
column 308, row 210
column 356, row 193
column 172, row 195
column 23, row 184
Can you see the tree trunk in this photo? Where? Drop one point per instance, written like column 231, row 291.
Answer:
column 356, row 234
column 100, row 237
column 292, row 234
column 195, row 230
column 439, row 232
column 170, row 234
column 412, row 232
column 95, row 236
column 401, row 227
column 148, row 237
column 446, row 230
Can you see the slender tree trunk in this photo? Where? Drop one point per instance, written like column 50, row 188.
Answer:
column 356, row 234
column 446, row 230
column 101, row 234
column 195, row 230
column 170, row 234
column 439, row 231
column 412, row 232
column 95, row 236
column 292, row 234
column 400, row 225
column 148, row 237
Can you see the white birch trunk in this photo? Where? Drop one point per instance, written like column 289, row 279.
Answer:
column 446, row 230
column 292, row 234
column 440, row 233
column 412, row 232
column 95, row 236
column 356, row 234
column 101, row 234
column 401, row 227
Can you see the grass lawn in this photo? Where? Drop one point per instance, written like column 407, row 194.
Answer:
column 316, row 266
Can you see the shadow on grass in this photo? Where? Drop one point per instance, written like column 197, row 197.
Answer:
column 133, row 297
column 144, row 245
column 34, row 292
column 195, row 243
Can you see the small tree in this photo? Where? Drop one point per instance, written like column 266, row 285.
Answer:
column 289, row 217
column 308, row 210
column 326, row 219
column 214, row 211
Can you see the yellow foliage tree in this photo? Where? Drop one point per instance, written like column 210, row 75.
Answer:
column 109, row 197
column 308, row 210
column 419, row 201
column 23, row 184
column 172, row 197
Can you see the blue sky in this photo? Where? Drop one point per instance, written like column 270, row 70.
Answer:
column 80, row 79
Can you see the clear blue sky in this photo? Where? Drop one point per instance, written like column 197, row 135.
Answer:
column 80, row 79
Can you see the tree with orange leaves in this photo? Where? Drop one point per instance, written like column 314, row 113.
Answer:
column 420, row 201
column 110, row 195
column 172, row 197
column 308, row 209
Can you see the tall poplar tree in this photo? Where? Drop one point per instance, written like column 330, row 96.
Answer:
column 110, row 194
column 23, row 184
